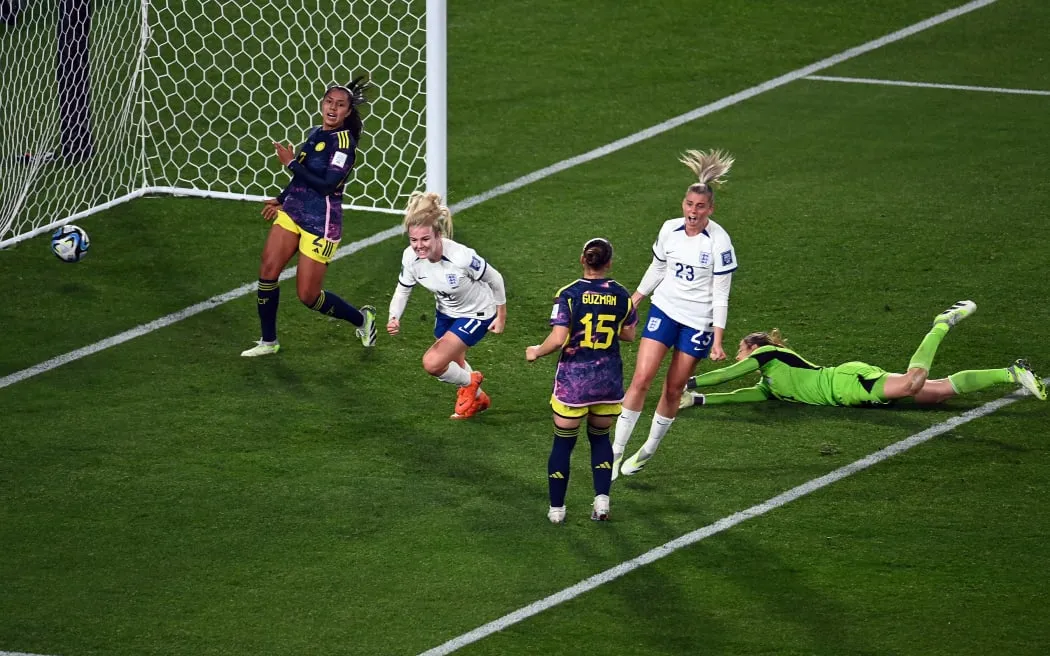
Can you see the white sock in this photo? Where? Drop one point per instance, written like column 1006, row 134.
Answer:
column 624, row 427
column 469, row 369
column 456, row 375
column 657, row 431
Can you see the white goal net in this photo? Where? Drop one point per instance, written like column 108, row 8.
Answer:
column 102, row 101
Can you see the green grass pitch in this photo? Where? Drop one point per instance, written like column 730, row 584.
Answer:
column 166, row 496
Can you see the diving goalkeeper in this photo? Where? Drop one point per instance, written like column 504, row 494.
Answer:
column 787, row 376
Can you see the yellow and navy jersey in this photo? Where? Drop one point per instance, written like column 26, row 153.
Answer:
column 590, row 369
column 314, row 197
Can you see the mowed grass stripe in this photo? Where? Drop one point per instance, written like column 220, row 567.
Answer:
column 721, row 525
column 563, row 165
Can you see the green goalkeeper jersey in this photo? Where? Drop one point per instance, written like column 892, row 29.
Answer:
column 786, row 376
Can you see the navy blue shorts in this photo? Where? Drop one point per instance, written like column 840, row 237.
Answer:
column 670, row 333
column 469, row 330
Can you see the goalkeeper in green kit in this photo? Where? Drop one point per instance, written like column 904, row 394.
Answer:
column 787, row 376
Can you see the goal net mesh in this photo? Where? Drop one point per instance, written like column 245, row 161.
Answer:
column 187, row 96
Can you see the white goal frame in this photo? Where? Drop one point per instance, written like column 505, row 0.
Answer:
column 17, row 224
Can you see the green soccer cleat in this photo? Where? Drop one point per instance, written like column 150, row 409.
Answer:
column 367, row 331
column 635, row 463
column 261, row 348
column 1026, row 378
column 956, row 313
column 617, row 459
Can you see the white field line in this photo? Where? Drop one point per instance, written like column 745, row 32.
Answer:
column 174, row 317
column 563, row 165
column 728, row 101
column 721, row 525
column 927, row 85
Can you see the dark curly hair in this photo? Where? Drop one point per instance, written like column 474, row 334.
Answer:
column 356, row 93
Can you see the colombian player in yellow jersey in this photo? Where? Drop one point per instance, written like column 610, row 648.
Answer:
column 308, row 217
column 590, row 317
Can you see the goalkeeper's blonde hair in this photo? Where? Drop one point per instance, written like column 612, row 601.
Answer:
column 709, row 167
column 772, row 338
column 425, row 209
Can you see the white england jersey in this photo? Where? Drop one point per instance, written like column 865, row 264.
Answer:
column 685, row 293
column 454, row 279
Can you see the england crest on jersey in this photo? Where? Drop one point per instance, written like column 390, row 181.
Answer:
column 705, row 259
column 453, row 281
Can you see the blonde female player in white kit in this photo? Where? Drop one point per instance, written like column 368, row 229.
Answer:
column 691, row 271
column 471, row 298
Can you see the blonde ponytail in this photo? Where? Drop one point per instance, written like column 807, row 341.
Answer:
column 708, row 167
column 425, row 209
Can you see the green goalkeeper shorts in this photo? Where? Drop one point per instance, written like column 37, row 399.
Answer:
column 859, row 384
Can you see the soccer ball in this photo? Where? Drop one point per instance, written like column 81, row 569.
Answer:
column 70, row 243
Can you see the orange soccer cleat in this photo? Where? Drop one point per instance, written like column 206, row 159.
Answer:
column 466, row 395
column 481, row 404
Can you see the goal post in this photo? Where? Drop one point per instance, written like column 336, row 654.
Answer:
column 187, row 96
column 436, row 92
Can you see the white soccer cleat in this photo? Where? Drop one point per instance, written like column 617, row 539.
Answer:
column 601, row 508
column 956, row 313
column 1026, row 378
column 556, row 515
column 367, row 331
column 617, row 459
column 261, row 348
column 635, row 463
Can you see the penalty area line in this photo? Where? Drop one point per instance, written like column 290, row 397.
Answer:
column 721, row 525
column 513, row 185
column 926, row 85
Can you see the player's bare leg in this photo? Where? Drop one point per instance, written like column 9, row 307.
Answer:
column 681, row 368
column 442, row 360
column 650, row 354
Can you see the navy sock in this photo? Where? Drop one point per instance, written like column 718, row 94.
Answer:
column 558, row 464
column 330, row 304
column 269, row 295
column 601, row 458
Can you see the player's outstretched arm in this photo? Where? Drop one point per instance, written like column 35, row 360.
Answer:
column 654, row 275
column 555, row 340
column 743, row 395
column 725, row 374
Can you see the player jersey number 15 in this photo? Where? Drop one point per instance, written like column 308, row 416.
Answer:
column 600, row 329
